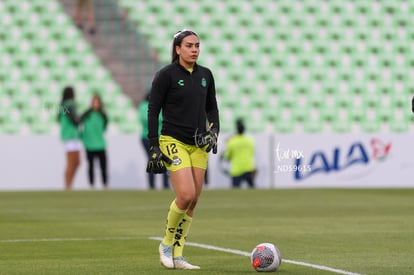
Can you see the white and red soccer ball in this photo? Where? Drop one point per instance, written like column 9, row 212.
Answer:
column 266, row 257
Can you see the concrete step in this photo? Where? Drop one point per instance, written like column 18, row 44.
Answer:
column 125, row 58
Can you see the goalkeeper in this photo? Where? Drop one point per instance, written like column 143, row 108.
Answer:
column 185, row 93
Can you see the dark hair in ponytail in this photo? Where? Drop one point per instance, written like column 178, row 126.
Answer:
column 178, row 39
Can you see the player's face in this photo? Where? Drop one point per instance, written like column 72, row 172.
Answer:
column 95, row 103
column 189, row 50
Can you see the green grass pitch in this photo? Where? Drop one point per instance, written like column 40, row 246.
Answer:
column 108, row 232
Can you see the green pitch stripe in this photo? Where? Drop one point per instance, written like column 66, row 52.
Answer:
column 204, row 246
column 69, row 240
column 243, row 253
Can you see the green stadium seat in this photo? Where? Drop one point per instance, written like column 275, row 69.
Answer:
column 227, row 116
column 399, row 126
column 281, row 52
column 43, row 47
column 12, row 124
column 255, row 123
column 283, row 126
column 129, row 123
column 312, row 123
column 342, row 126
column 369, row 126
column 44, row 121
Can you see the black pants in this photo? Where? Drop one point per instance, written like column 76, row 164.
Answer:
column 248, row 177
column 101, row 155
column 151, row 176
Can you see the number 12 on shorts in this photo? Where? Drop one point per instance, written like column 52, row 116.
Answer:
column 171, row 148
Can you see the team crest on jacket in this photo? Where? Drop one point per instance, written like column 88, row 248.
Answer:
column 176, row 161
column 203, row 82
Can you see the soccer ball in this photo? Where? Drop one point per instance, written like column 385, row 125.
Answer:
column 266, row 257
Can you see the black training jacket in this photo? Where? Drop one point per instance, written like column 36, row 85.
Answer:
column 186, row 99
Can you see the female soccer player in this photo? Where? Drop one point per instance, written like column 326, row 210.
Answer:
column 185, row 93
column 69, row 134
column 94, row 122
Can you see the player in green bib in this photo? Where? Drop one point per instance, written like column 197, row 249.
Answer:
column 240, row 152
column 69, row 134
column 94, row 122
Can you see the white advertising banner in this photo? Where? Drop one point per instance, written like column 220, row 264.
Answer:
column 217, row 177
column 343, row 160
column 38, row 163
column 282, row 161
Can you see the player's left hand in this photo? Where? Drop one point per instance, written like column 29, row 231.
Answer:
column 211, row 138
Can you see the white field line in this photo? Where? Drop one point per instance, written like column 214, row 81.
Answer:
column 243, row 253
column 69, row 239
column 204, row 246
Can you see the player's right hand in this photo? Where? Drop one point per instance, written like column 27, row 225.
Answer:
column 156, row 161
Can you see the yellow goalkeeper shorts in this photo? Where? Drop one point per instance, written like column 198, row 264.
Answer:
column 183, row 155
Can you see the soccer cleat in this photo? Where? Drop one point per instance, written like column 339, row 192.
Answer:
column 166, row 258
column 181, row 263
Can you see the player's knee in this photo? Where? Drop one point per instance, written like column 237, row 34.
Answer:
column 187, row 199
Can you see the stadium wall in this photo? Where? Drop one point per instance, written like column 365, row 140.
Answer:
column 283, row 161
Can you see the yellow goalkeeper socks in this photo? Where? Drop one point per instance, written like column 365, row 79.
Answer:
column 181, row 234
column 175, row 215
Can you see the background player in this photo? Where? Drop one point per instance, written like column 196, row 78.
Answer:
column 240, row 152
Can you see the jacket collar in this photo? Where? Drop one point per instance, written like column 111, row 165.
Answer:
column 183, row 68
